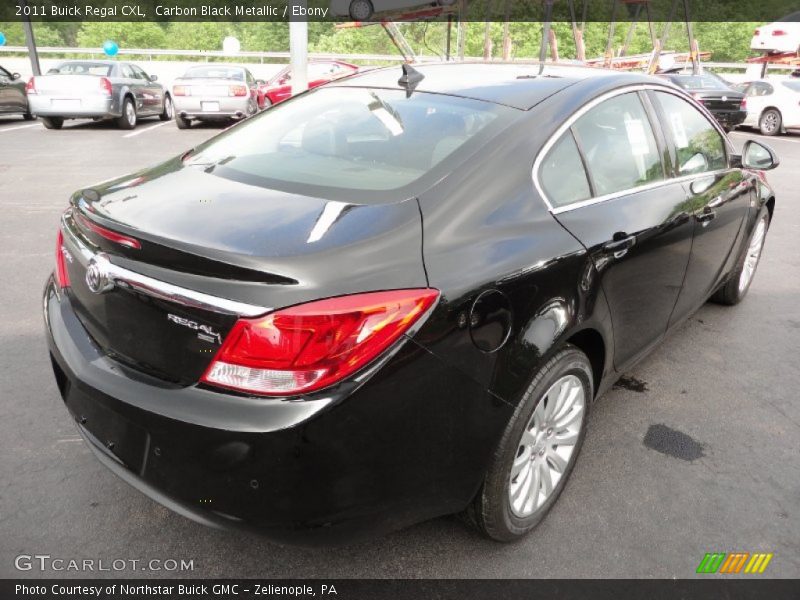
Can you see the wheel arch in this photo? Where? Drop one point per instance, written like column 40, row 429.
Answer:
column 591, row 342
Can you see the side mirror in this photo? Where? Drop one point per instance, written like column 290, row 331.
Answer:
column 15, row 76
column 153, row 77
column 756, row 155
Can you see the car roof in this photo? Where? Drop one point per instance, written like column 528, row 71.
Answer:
column 512, row 84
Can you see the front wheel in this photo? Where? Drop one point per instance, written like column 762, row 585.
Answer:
column 770, row 122
column 128, row 118
column 538, row 449
column 168, row 111
column 735, row 289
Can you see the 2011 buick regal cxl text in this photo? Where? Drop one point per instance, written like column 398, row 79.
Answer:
column 388, row 299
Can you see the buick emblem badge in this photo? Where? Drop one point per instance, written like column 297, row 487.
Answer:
column 97, row 277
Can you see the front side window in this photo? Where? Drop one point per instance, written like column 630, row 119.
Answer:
column 353, row 142
column 618, row 145
column 699, row 145
column 562, row 175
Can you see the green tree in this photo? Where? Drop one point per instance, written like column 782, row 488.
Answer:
column 127, row 35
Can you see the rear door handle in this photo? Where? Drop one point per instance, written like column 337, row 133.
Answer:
column 620, row 246
column 705, row 217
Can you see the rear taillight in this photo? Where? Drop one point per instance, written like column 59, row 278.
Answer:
column 743, row 105
column 312, row 346
column 181, row 90
column 113, row 236
column 237, row 90
column 62, row 276
column 779, row 32
column 30, row 87
column 105, row 86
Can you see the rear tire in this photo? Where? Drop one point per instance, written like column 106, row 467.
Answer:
column 770, row 122
column 735, row 288
column 169, row 109
column 128, row 118
column 182, row 123
column 530, row 467
column 28, row 116
column 52, row 122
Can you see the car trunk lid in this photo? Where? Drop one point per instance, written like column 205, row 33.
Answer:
column 211, row 251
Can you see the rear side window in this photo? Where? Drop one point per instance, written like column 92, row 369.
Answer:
column 792, row 85
column 699, row 145
column 618, row 145
column 562, row 175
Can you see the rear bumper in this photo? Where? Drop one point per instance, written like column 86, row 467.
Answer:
column 410, row 443
column 79, row 108
column 731, row 118
column 198, row 107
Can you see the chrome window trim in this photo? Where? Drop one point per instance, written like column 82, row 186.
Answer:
column 537, row 163
column 127, row 279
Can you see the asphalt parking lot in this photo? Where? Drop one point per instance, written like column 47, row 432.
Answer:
column 696, row 452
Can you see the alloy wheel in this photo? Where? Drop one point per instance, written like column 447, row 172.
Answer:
column 753, row 255
column 130, row 113
column 547, row 445
column 770, row 122
column 168, row 109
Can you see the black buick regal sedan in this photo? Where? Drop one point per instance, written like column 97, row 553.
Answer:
column 392, row 298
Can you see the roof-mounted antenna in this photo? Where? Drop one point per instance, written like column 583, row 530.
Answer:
column 548, row 15
column 410, row 79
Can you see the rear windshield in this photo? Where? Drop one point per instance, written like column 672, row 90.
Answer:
column 792, row 85
column 354, row 143
column 82, row 68
column 699, row 82
column 214, row 73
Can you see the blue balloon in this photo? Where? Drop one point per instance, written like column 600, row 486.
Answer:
column 110, row 48
column 2, row 39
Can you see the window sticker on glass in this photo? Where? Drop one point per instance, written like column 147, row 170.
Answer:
column 636, row 136
column 678, row 132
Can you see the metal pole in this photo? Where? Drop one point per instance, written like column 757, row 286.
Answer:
column 298, row 49
column 30, row 40
column 548, row 14
column 449, row 34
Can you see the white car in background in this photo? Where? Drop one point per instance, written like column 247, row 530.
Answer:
column 781, row 36
column 773, row 104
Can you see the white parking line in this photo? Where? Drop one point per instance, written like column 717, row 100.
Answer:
column 4, row 129
column 145, row 130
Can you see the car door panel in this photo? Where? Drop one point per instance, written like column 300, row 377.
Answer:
column 639, row 244
column 635, row 227
column 718, row 204
column 717, row 197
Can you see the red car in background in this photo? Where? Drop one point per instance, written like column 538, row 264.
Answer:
column 279, row 88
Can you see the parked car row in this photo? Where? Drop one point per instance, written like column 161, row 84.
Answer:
column 125, row 93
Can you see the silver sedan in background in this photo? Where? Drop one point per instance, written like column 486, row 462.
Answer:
column 214, row 92
column 97, row 89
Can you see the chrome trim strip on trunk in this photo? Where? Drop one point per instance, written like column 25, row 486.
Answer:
column 127, row 279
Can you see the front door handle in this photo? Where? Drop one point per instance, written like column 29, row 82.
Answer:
column 621, row 244
column 705, row 217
